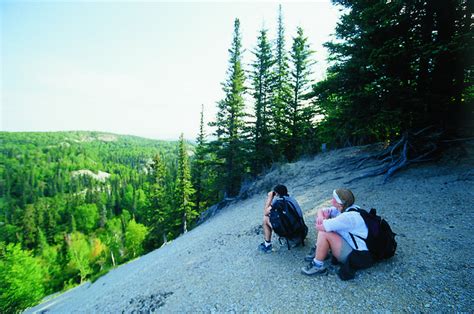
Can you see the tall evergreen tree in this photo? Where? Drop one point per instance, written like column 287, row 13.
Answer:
column 158, row 214
column 281, row 95
column 198, row 165
column 262, row 81
column 230, row 124
column 204, row 172
column 300, row 111
column 30, row 227
column 184, row 190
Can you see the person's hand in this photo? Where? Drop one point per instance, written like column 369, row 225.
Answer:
column 319, row 220
column 267, row 211
column 320, row 227
column 271, row 194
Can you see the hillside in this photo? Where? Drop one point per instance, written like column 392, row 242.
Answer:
column 216, row 266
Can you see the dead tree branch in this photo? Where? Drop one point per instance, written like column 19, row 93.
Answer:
column 412, row 147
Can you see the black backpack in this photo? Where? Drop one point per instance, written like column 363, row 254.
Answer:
column 380, row 239
column 286, row 222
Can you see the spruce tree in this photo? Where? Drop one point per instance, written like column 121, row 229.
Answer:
column 300, row 110
column 157, row 215
column 198, row 165
column 184, row 190
column 230, row 125
column 281, row 94
column 264, row 128
column 204, row 171
column 30, row 227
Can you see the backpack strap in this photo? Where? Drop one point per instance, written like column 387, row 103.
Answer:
column 356, row 209
column 285, row 202
column 354, row 240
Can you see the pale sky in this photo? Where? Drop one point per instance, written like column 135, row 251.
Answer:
column 138, row 68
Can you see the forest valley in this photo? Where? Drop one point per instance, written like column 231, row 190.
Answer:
column 61, row 224
column 75, row 204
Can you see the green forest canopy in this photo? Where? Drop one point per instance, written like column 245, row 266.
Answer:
column 74, row 204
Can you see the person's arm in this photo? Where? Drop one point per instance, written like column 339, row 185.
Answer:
column 322, row 215
column 343, row 222
column 320, row 227
column 267, row 207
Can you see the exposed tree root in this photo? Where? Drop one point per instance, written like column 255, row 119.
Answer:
column 412, row 148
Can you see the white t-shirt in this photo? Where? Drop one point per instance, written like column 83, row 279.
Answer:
column 349, row 222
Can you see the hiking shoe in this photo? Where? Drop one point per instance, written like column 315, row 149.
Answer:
column 312, row 269
column 265, row 249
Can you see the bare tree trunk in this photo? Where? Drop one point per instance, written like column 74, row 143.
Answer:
column 185, row 226
column 113, row 259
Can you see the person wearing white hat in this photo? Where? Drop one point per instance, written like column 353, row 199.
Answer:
column 339, row 231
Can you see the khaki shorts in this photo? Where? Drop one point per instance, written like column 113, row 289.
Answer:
column 346, row 249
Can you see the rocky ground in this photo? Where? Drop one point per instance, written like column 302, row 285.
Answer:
column 216, row 267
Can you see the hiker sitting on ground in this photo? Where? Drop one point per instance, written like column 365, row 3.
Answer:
column 280, row 191
column 343, row 232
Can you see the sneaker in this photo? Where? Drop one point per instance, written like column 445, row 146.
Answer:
column 312, row 269
column 265, row 249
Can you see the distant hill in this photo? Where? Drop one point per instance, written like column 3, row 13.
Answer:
column 78, row 136
column 216, row 267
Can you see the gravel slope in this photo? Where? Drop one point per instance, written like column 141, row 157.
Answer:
column 217, row 268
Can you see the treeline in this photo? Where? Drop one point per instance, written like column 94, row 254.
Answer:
column 396, row 67
column 75, row 204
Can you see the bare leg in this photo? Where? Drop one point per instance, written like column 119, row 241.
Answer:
column 268, row 202
column 267, row 229
column 327, row 241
